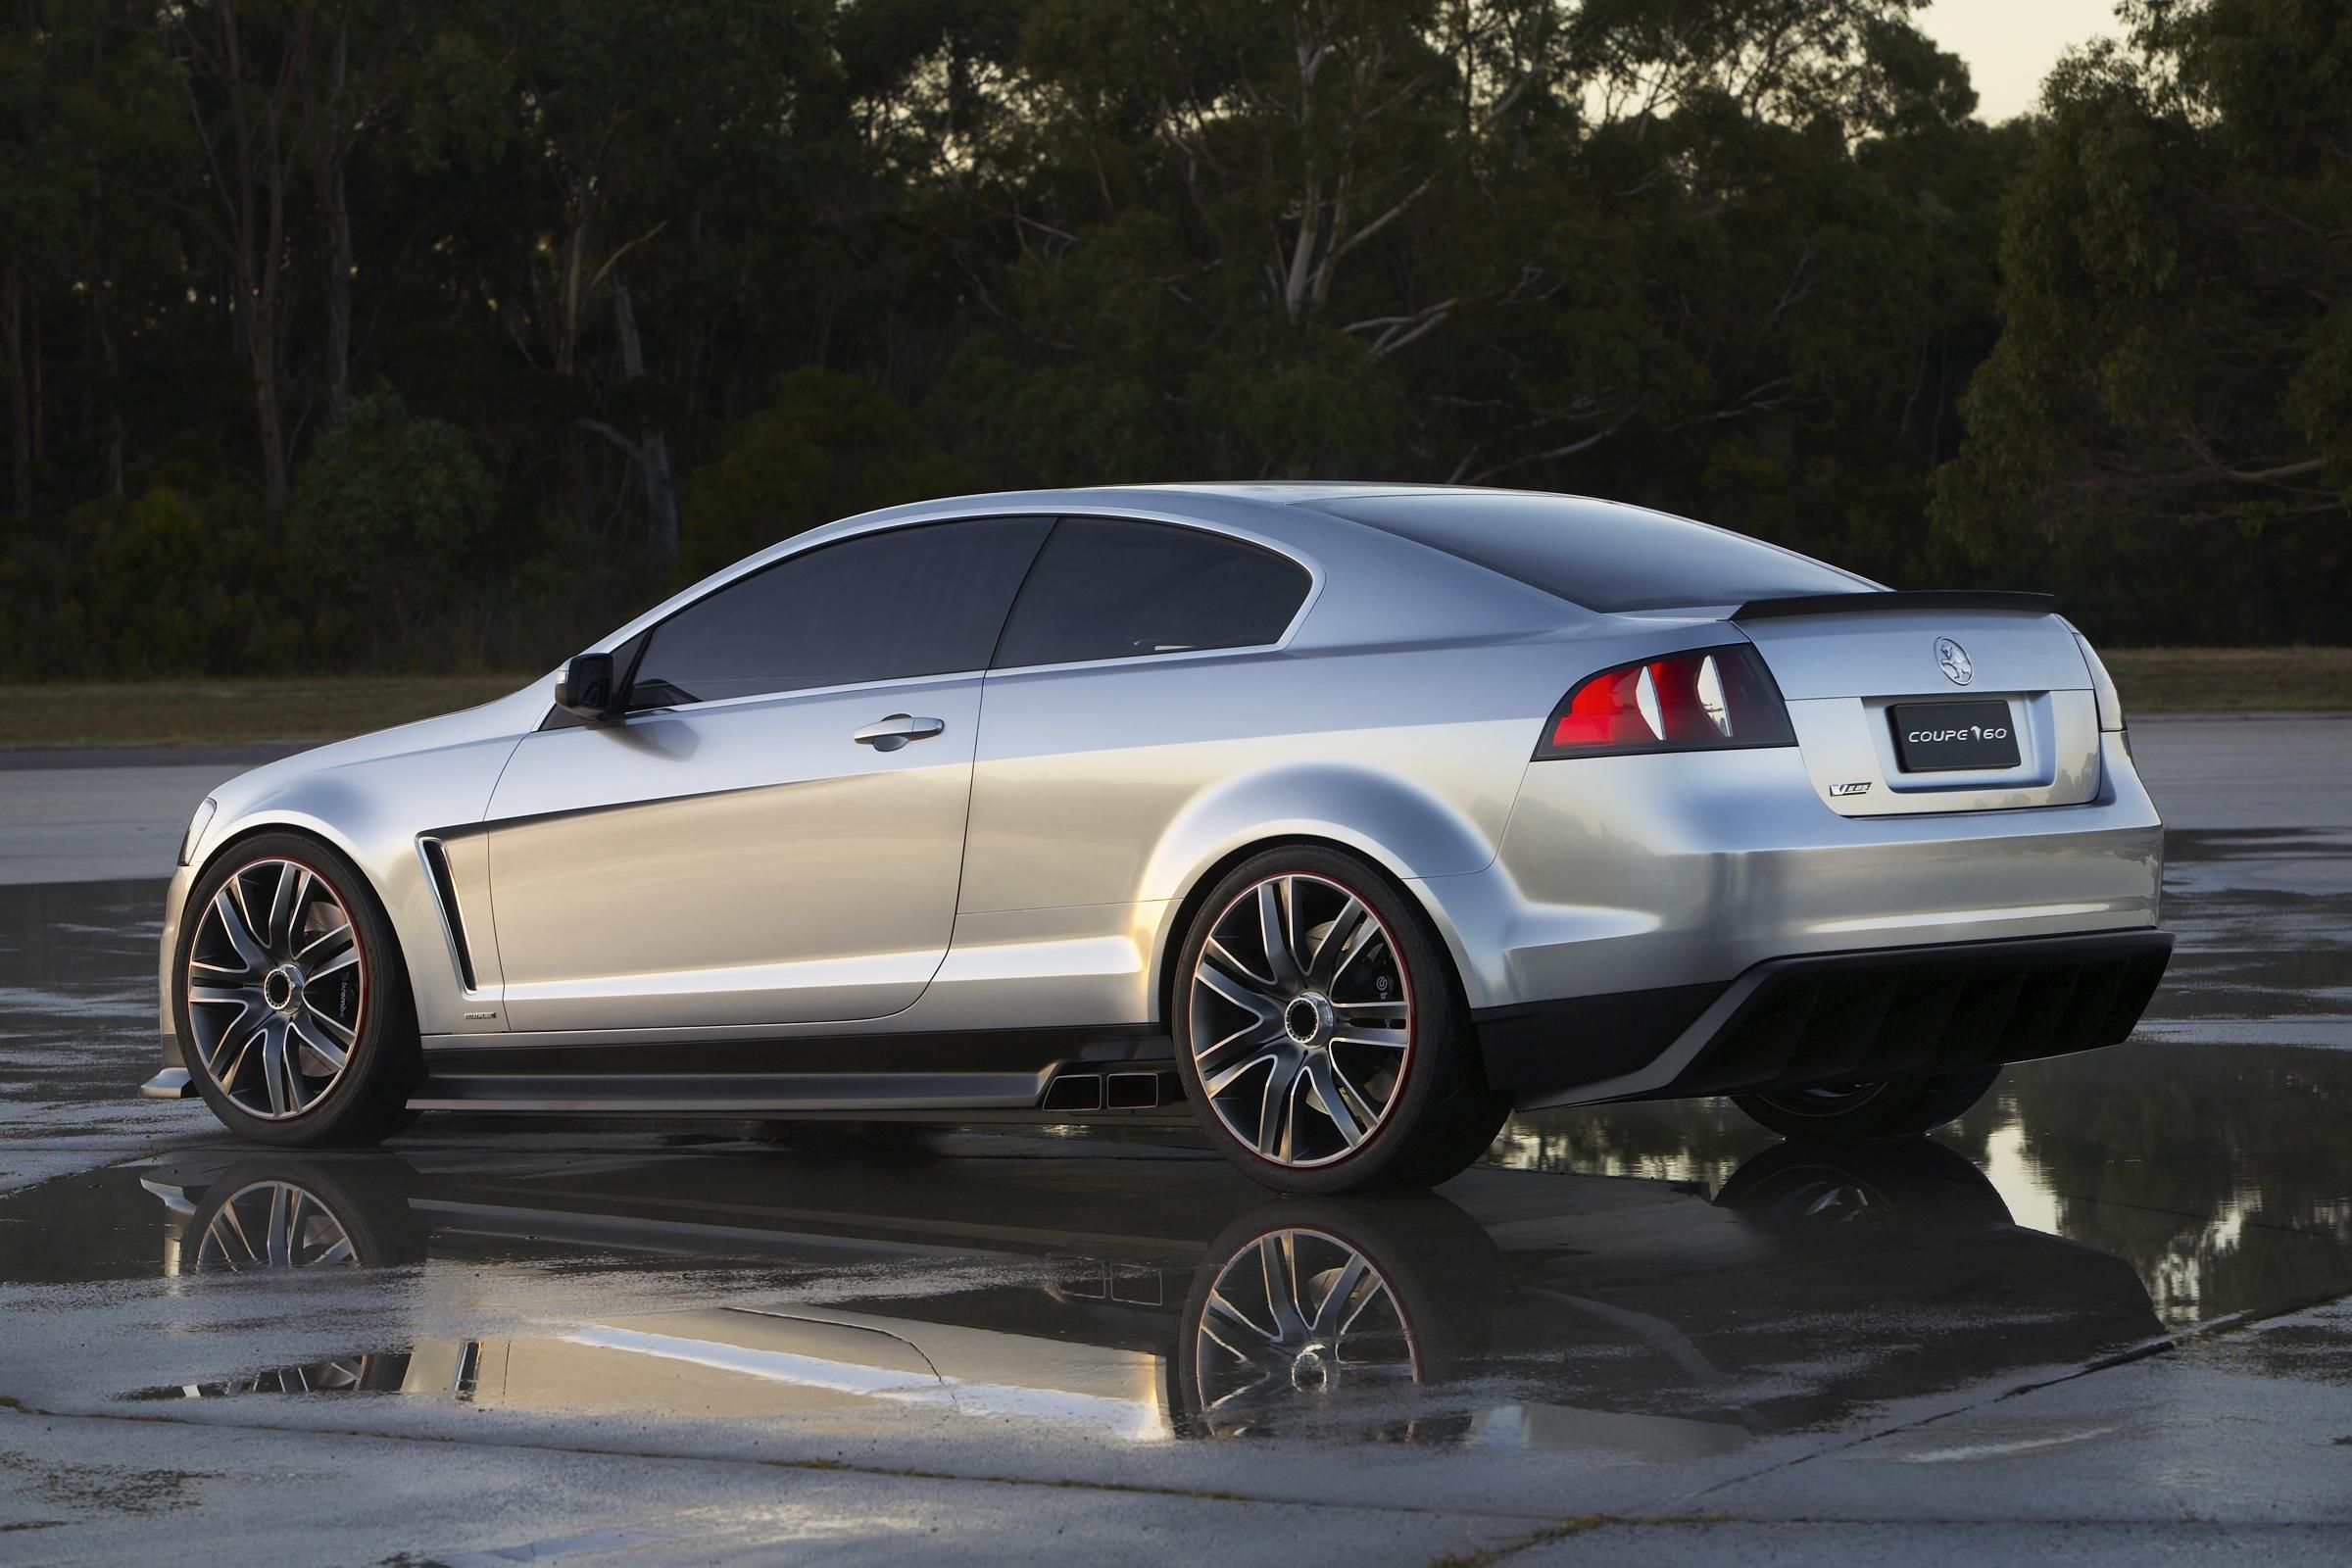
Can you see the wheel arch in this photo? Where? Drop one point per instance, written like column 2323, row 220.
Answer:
column 253, row 827
column 1406, row 832
column 261, row 825
column 1185, row 908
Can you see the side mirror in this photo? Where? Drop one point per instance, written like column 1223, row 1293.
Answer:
column 587, row 688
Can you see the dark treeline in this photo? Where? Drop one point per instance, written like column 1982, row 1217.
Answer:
column 439, row 333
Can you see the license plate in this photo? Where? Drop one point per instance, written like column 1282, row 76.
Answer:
column 1948, row 737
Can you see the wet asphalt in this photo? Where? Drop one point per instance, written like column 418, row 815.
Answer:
column 2108, row 1316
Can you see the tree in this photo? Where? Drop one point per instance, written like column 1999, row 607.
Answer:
column 392, row 518
column 2171, row 392
column 245, row 67
column 89, row 133
column 1729, row 256
column 654, row 128
column 828, row 446
column 678, row 276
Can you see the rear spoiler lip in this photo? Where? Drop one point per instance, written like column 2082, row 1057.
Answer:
column 1889, row 598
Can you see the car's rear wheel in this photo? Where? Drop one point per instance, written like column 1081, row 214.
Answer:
column 1913, row 1184
column 1315, row 1312
column 292, row 1002
column 1321, row 1033
column 1854, row 1113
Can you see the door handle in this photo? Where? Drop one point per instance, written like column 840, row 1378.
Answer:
column 889, row 734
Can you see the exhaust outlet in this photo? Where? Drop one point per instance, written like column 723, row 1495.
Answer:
column 1132, row 1090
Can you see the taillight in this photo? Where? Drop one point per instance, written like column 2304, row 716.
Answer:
column 2102, row 685
column 1709, row 700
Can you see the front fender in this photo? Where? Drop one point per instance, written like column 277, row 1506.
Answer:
column 371, row 809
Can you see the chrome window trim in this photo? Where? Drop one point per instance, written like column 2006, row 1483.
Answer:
column 1188, row 656
column 712, row 705
column 801, row 544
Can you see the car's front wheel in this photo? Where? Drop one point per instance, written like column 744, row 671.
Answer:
column 1856, row 1113
column 1320, row 1031
column 292, row 1002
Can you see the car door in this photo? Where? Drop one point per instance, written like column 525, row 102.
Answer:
column 772, row 831
column 1137, row 669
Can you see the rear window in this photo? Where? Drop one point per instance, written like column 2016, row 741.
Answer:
column 1598, row 554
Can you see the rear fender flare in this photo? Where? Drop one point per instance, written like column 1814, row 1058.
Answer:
column 1408, row 833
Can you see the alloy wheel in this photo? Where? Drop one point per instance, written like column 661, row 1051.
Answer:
column 343, row 1375
column 277, row 988
column 1296, row 1316
column 272, row 1225
column 1301, row 1020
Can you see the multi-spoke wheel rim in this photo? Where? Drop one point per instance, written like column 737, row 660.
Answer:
column 273, row 1225
column 1296, row 1316
column 342, row 1375
column 277, row 989
column 1301, row 1020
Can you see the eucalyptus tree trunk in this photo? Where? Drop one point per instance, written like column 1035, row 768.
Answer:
column 20, row 411
column 652, row 446
column 251, row 173
column 335, row 207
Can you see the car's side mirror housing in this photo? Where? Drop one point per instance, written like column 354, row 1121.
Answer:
column 587, row 689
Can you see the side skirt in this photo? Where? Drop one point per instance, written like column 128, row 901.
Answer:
column 1011, row 1074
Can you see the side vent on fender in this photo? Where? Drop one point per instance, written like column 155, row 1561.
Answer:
column 445, row 895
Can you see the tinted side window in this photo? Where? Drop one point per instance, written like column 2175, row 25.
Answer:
column 924, row 601
column 1104, row 589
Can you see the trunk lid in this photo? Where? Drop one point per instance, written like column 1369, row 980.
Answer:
column 1875, row 681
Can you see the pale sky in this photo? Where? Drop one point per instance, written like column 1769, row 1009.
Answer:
column 2010, row 45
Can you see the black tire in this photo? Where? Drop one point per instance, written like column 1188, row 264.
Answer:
column 367, row 1101
column 1904, row 1107
column 1913, row 1185
column 1438, row 1117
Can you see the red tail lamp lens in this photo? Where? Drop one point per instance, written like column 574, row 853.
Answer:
column 1710, row 700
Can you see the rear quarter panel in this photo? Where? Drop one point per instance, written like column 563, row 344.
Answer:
column 1110, row 793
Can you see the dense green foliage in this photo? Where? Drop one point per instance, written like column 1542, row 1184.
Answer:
column 371, row 334
column 2167, row 419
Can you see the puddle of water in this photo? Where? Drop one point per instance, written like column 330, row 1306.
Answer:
column 1731, row 1286
column 1130, row 1298
column 2221, row 1173
column 78, row 994
column 546, row 1550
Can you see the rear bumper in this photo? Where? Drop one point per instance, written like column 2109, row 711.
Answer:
column 1836, row 1017
column 1645, row 872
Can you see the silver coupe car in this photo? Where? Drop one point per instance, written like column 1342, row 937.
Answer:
column 1351, row 817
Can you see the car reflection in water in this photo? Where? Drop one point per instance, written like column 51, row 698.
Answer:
column 1149, row 1298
